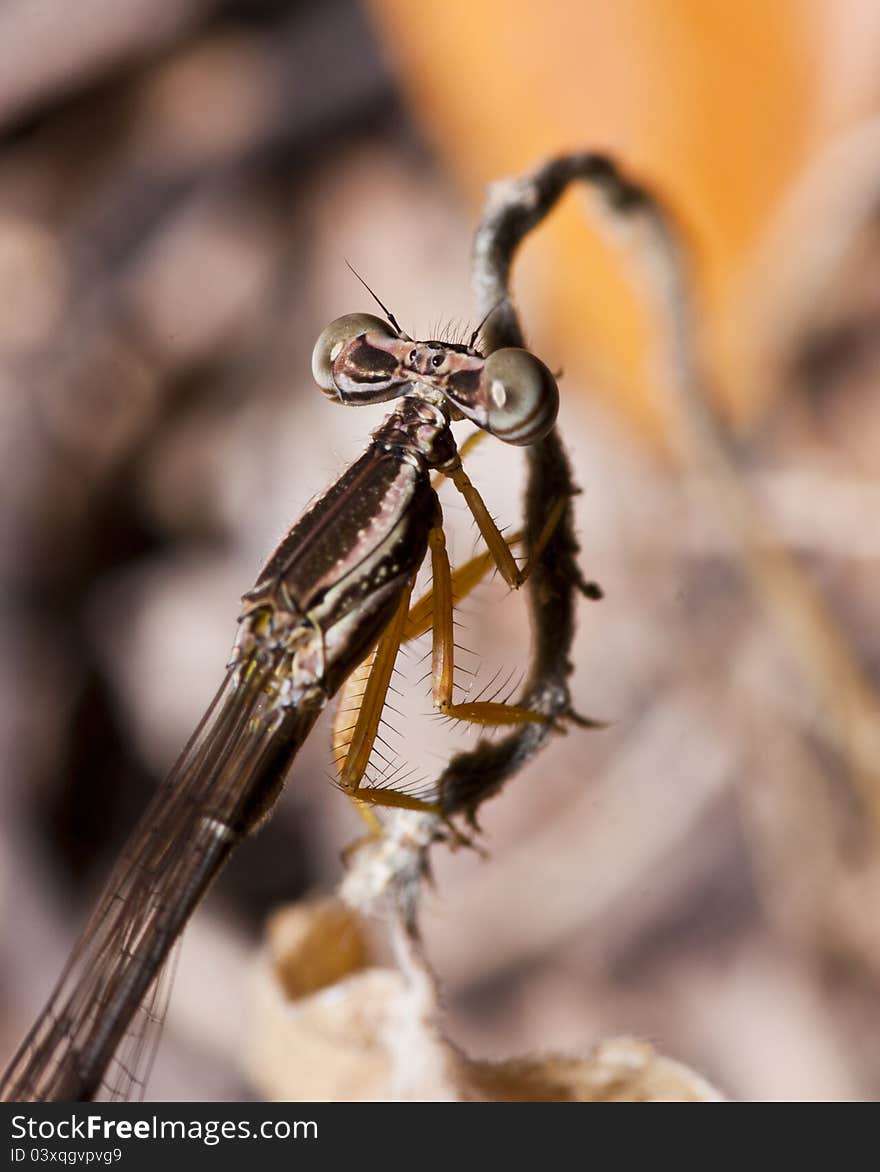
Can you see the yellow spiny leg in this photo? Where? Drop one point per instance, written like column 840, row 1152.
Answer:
column 494, row 538
column 358, row 713
column 464, row 579
column 365, row 691
column 347, row 708
column 363, row 735
column 344, row 726
column 376, row 671
column 492, row 535
column 483, row 712
column 353, row 695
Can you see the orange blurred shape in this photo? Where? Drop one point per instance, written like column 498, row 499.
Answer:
column 718, row 104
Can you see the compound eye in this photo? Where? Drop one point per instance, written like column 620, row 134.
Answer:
column 521, row 396
column 335, row 337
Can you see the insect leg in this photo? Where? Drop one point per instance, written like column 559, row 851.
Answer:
column 483, row 712
column 492, row 535
column 494, row 538
column 351, row 695
column 364, row 693
column 354, row 697
column 363, row 736
column 464, row 579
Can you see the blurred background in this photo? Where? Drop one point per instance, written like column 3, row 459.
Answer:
column 181, row 182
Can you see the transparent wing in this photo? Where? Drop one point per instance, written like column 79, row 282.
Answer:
column 128, row 1073
column 224, row 782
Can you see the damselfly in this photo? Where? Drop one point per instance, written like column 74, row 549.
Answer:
column 338, row 586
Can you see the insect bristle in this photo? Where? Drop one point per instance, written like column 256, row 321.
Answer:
column 451, row 332
column 403, row 781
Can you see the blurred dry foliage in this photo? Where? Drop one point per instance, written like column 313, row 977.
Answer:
column 179, row 186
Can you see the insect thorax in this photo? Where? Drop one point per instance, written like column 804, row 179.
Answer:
column 419, row 425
